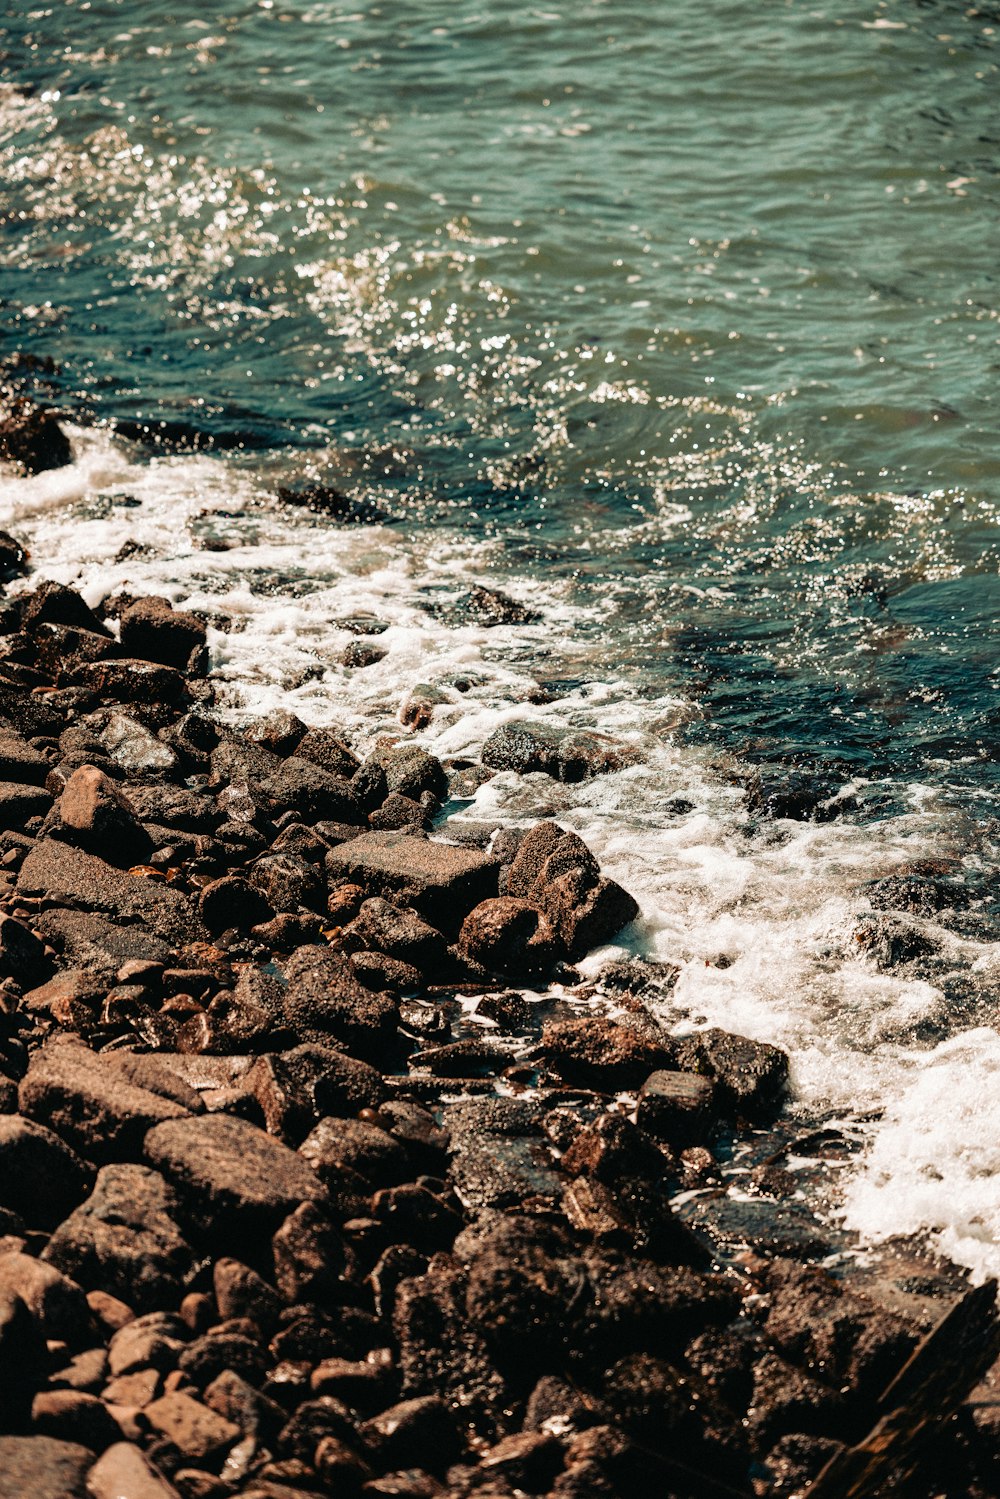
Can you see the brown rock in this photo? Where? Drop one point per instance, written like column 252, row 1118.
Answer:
column 324, row 1001
column 57, row 1303
column 43, row 1468
column 68, row 874
column 241, row 1292
column 441, row 881
column 73, row 999
column 297, row 1088
column 32, row 439
column 19, row 803
column 40, row 1177
column 89, row 1103
column 589, row 1052
column 229, row 1175
column 509, row 935
column 196, row 1431
column 339, row 1145
column 99, row 816
column 154, row 631
column 125, row 1472
column 19, row 761
column 150, row 1342
column 23, row 1358
column 130, row 681
column 74, row 1416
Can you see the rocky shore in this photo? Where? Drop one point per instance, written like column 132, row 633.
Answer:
column 324, row 1172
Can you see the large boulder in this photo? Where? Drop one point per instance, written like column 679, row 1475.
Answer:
column 441, row 881
column 324, row 1001
column 153, row 630
column 79, row 879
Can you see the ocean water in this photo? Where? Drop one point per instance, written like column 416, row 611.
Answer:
column 679, row 323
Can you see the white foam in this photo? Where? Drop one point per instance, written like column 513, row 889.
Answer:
column 778, row 905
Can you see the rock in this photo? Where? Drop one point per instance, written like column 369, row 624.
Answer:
column 19, row 761
column 124, row 1239
column 499, row 1157
column 89, row 1103
column 400, row 812
column 325, row 748
column 133, row 748
column 13, row 557
column 441, row 881
column 40, row 1177
column 302, row 787
column 528, row 1460
column 299, row 1087
column 175, row 807
column 130, row 681
column 336, row 1146
column 509, row 935
column 100, row 817
column 786, row 1400
column 22, row 954
column 196, row 1432
column 74, row 1416
column 288, row 883
column 567, row 755
column 421, row 1432
column 94, row 944
column 490, row 607
column 77, row 878
column 220, row 1350
column 23, row 1360
column 888, row 940
column 676, row 1106
column 32, row 438
column 230, row 1176
column 557, row 872
column 410, row 770
column 308, row 1256
column 153, row 631
column 57, row 1303
column 749, row 1077
column 324, row 1001
column 150, row 1342
column 241, row 1292
column 124, row 1472
column 399, row 933
column 19, row 803
column 358, row 653
column 43, row 1468
column 232, row 903
column 590, row 1052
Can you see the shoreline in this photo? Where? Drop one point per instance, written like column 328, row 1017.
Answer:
column 309, row 1220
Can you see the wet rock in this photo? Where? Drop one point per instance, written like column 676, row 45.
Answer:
column 43, row 1468
column 133, row 748
column 288, row 883
column 19, row 804
column 222, row 1350
column 241, row 1292
column 302, row 787
column 89, row 1103
column 124, row 1239
column 96, row 814
column 69, row 875
column 150, row 1342
column 749, row 1077
column 676, row 1106
column 796, row 1460
column 440, row 881
column 359, row 653
column 57, row 1303
column 785, row 1400
column 232, row 902
column 557, row 872
column 195, row 1431
column 55, row 604
column 442, row 1350
column 889, row 941
column 130, row 681
column 230, row 1176
column 124, row 1472
column 279, row 732
column 337, row 1146
column 509, row 1011
column 509, row 935
column 13, row 557
column 152, row 630
column 324, row 1001
column 920, row 896
column 490, row 607
column 564, row 754
column 234, row 1398
column 92, row 943
column 19, row 761
column 40, row 1176
column 400, row 812
column 377, row 971
column 174, row 807
column 302, row 843
column 498, row 1155
column 32, row 438
column 590, row 1052
column 409, row 770
column 298, row 1088
column 308, row 1256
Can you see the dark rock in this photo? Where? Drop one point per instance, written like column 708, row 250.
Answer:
column 556, row 871
column 92, row 943
column 229, row 1176
column 324, row 1000
column 749, row 1077
column 19, row 761
column 68, row 874
column 231, row 1396
column 43, row 1468
column 133, row 748
column 442, row 1349
column 420, row 1432
column 359, row 653
column 220, row 1351
column 89, row 1103
column 509, row 1011
column 152, row 630
column 410, row 770
column 590, row 1052
column 55, row 604
column 22, row 954
column 308, row 1256
column 509, row 935
column 124, row 1239
column 441, row 881
column 399, row 933
column 40, row 1177
column 19, row 803
column 302, row 843
column 97, row 814
column 279, row 732
column 890, row 941
column 298, row 1088
column 377, row 971
column 23, row 1360
column 498, row 1155
column 785, row 1400
column 174, row 807
column 490, row 607
column 412, row 1214
column 241, row 1292
column 232, row 902
column 676, row 1106
column 302, row 787
column 337, row 1146
column 32, row 439
column 912, row 893
column 130, row 681
column 398, row 812
column 56, row 1303
column 796, row 1460
column 288, row 883
column 194, row 1430
column 74, row 1416
column 13, row 557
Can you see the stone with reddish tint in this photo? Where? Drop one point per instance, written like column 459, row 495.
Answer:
column 229, row 1175
column 43, row 1468
column 441, row 881
column 588, row 1052
column 297, row 1088
column 89, row 1103
column 70, row 876
column 154, row 631
column 23, row 1357
column 324, row 1002
column 40, row 1176
column 125, row 1239
column 196, row 1431
column 125, row 1472
column 57, row 1303
column 97, row 814
column 232, row 902
column 509, row 935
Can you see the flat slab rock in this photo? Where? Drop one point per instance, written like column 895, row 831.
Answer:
column 67, row 874
column 440, row 880
column 90, row 1102
column 228, row 1173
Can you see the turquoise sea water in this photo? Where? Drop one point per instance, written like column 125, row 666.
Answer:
column 683, row 318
